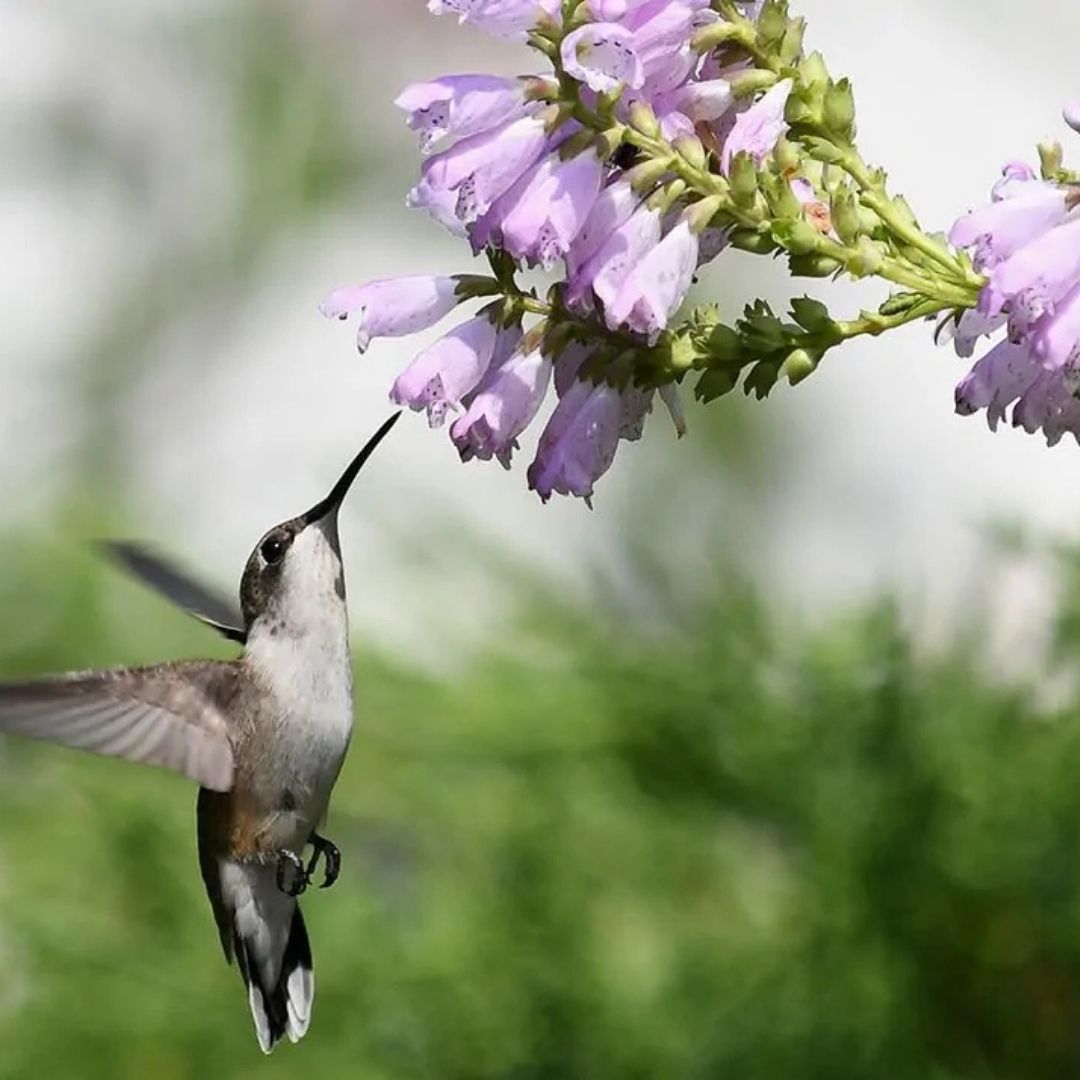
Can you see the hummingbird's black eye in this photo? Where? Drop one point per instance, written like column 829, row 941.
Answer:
column 272, row 550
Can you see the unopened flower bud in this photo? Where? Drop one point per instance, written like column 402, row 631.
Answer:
column 839, row 108
column 799, row 236
column 772, row 23
column 745, row 84
column 844, row 211
column 758, row 243
column 690, row 149
column 743, row 178
column 813, row 266
column 792, row 44
column 1052, row 158
column 709, row 37
column 643, row 119
column 799, row 365
column 700, row 215
column 813, row 73
column 786, row 155
column 868, row 259
column 644, row 177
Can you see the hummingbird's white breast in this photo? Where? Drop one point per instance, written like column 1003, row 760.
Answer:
column 299, row 656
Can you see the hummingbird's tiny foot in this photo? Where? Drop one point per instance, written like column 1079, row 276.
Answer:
column 331, row 858
column 300, row 877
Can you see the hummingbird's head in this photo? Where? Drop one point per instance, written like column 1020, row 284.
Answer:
column 294, row 575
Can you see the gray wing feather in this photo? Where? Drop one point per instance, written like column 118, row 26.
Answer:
column 166, row 715
column 175, row 585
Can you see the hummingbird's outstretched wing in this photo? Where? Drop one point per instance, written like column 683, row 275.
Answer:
column 164, row 578
column 172, row 715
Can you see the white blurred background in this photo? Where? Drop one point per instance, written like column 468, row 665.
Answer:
column 183, row 181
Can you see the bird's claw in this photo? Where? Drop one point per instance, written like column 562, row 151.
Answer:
column 301, row 877
column 331, row 859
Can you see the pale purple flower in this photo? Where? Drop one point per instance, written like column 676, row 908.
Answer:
column 605, row 271
column 393, row 307
column 1055, row 340
column 483, row 166
column 612, row 209
column 1030, row 282
column 552, row 208
column 439, row 203
column 579, row 442
column 503, row 407
column 445, row 372
column 757, row 130
column 602, row 56
column 1043, row 399
column 457, row 106
column 1014, row 177
column 706, row 100
column 1072, row 115
column 1000, row 229
column 502, row 18
column 657, row 285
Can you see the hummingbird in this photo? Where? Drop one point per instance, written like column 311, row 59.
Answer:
column 264, row 736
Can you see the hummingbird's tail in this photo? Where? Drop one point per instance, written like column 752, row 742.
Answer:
column 282, row 1005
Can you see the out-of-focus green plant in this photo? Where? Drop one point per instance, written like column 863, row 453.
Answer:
column 733, row 852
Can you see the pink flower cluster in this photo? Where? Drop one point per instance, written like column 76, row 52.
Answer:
column 1027, row 242
column 507, row 167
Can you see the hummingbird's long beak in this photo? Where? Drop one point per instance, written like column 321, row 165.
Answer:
column 327, row 509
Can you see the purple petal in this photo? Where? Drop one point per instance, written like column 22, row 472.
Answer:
column 602, row 56
column 612, row 209
column 1072, row 115
column 757, row 130
column 704, row 101
column 657, row 286
column 578, row 445
column 502, row 18
column 445, row 372
column 1000, row 229
column 1037, row 276
column 996, row 381
column 483, row 166
column 503, row 408
column 552, row 208
column 605, row 272
column 457, row 106
column 393, row 307
column 1056, row 338
column 636, row 405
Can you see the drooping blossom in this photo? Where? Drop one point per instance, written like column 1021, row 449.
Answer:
column 1028, row 241
column 503, row 407
column 393, row 307
column 657, row 284
column 757, row 130
column 502, row 18
column 457, row 106
column 437, row 380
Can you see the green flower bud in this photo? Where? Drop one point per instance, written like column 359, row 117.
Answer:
column 798, row 236
column 643, row 119
column 798, row 365
column 786, row 155
column 749, row 82
column 812, row 315
column 689, row 148
column 644, row 177
column 844, row 210
column 724, row 345
column 719, row 33
column 823, row 150
column 759, row 243
column 743, row 178
column 868, row 259
column 792, row 44
column 813, row 73
column 607, row 142
column 699, row 216
column 772, row 23
column 839, row 108
column 1052, row 158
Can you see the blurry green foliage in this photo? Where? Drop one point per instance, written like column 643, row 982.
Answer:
column 727, row 852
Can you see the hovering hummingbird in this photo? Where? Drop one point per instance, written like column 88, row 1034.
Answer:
column 264, row 736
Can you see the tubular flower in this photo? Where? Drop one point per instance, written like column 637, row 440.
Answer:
column 1028, row 240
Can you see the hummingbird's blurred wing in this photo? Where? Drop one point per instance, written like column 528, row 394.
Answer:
column 170, row 715
column 163, row 577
